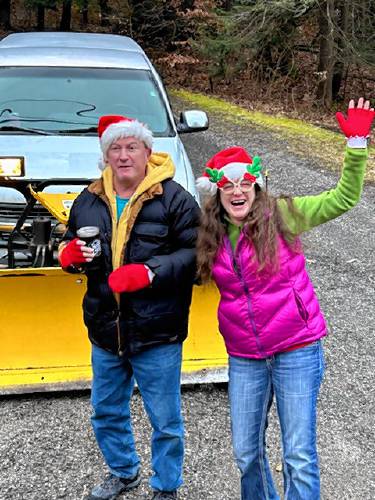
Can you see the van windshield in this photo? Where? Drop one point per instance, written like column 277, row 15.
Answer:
column 71, row 100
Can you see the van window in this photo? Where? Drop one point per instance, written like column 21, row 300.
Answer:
column 64, row 100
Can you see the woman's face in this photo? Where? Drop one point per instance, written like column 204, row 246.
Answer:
column 237, row 198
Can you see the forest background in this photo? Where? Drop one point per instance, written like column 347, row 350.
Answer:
column 301, row 58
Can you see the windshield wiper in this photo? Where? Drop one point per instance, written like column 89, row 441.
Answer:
column 77, row 130
column 10, row 128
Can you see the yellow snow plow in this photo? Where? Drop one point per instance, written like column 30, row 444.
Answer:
column 44, row 344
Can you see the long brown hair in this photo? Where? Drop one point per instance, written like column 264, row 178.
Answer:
column 262, row 226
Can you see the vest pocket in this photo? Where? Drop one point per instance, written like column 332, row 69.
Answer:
column 301, row 306
column 146, row 241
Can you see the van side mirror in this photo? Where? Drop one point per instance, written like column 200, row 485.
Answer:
column 192, row 120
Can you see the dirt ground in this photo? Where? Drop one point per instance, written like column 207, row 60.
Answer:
column 47, row 448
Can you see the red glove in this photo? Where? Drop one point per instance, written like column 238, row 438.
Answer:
column 72, row 255
column 358, row 122
column 129, row 278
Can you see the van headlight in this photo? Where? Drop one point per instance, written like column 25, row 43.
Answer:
column 12, row 166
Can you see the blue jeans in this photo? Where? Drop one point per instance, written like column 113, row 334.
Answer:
column 157, row 372
column 294, row 377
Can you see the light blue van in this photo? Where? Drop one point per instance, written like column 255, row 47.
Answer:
column 53, row 89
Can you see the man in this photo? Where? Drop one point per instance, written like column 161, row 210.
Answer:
column 137, row 301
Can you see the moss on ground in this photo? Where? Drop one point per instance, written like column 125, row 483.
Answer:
column 323, row 144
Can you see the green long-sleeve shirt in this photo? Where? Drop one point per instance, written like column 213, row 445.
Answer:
column 320, row 208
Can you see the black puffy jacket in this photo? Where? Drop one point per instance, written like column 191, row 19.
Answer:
column 162, row 235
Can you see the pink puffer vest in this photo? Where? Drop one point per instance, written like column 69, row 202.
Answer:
column 260, row 315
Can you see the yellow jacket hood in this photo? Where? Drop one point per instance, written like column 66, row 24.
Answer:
column 159, row 168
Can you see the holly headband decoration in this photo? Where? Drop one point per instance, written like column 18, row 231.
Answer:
column 229, row 165
column 219, row 178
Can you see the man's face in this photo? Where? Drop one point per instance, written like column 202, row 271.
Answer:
column 127, row 158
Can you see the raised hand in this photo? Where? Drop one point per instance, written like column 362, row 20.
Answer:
column 359, row 119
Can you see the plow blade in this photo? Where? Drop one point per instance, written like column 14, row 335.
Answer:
column 44, row 344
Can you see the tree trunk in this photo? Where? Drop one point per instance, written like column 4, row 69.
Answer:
column 227, row 5
column 187, row 4
column 85, row 13
column 66, row 15
column 326, row 52
column 104, row 12
column 339, row 68
column 40, row 17
column 5, row 14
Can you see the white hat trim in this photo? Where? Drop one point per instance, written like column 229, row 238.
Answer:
column 235, row 170
column 232, row 171
column 123, row 129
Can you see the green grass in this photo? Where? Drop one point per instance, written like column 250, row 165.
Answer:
column 303, row 138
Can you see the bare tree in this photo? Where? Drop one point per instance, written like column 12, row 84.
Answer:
column 105, row 13
column 5, row 13
column 40, row 17
column 226, row 5
column 343, row 10
column 85, row 13
column 66, row 15
column 326, row 52
column 187, row 4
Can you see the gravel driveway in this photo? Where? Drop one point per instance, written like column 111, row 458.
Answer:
column 46, row 446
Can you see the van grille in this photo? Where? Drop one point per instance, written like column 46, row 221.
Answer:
column 11, row 212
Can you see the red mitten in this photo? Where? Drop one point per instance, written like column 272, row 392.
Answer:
column 71, row 255
column 358, row 123
column 129, row 278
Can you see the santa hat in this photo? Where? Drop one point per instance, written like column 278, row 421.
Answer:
column 228, row 165
column 113, row 127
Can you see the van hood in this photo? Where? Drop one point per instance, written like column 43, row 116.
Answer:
column 67, row 157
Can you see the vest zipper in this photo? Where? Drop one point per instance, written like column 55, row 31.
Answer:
column 238, row 270
column 119, row 351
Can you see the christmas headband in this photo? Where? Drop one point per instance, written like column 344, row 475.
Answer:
column 221, row 169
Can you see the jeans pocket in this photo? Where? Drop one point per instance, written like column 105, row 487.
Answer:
column 316, row 348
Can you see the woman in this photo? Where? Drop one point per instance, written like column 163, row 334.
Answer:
column 268, row 314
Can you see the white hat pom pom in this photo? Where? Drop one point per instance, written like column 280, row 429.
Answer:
column 259, row 181
column 101, row 164
column 205, row 186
